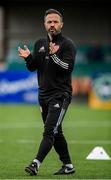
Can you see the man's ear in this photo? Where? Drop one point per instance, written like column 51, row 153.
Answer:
column 62, row 24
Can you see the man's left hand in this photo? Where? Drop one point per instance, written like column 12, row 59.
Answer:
column 53, row 48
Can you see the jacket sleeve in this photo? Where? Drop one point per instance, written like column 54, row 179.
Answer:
column 66, row 63
column 32, row 59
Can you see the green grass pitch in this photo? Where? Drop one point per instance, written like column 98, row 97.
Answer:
column 21, row 130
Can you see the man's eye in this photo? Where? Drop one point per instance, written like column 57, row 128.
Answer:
column 49, row 22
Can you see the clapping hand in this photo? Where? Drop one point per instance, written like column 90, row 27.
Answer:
column 53, row 48
column 24, row 53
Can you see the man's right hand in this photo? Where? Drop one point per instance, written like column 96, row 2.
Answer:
column 24, row 53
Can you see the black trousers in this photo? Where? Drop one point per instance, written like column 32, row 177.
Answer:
column 53, row 112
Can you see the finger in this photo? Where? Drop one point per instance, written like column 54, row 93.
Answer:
column 19, row 51
column 19, row 48
column 25, row 47
column 50, row 48
column 57, row 47
column 20, row 54
column 50, row 43
column 53, row 45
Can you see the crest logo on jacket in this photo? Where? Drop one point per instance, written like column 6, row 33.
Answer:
column 42, row 49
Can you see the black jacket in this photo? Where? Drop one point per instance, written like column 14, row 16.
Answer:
column 54, row 71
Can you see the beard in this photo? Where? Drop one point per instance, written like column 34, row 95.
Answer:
column 53, row 31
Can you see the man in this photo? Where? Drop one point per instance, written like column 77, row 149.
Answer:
column 53, row 58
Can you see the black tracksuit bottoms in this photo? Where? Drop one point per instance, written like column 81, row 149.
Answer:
column 53, row 112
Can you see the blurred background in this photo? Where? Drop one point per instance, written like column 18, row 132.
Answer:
column 87, row 23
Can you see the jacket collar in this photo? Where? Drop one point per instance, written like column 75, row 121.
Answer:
column 56, row 37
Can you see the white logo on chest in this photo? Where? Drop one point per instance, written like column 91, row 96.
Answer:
column 42, row 49
column 57, row 105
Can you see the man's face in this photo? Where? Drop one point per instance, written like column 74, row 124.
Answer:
column 53, row 23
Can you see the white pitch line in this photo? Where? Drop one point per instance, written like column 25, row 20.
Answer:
column 26, row 141
column 39, row 124
column 89, row 142
column 82, row 142
column 89, row 124
column 20, row 125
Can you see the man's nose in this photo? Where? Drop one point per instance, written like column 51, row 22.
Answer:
column 52, row 23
